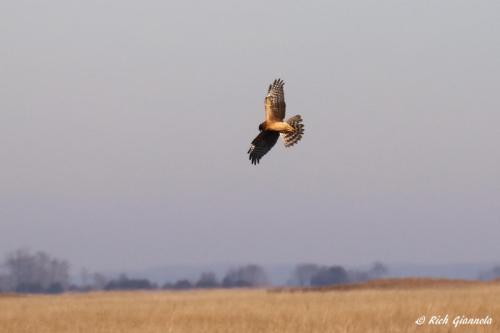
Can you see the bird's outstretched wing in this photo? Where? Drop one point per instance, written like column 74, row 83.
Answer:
column 275, row 101
column 262, row 144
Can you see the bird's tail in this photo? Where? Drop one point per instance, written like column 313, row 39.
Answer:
column 294, row 137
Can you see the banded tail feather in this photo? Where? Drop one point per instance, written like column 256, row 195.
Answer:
column 293, row 137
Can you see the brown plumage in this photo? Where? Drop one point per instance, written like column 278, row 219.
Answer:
column 291, row 130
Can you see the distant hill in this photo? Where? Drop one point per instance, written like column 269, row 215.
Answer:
column 394, row 283
column 468, row 271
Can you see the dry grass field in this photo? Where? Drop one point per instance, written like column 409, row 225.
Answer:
column 384, row 306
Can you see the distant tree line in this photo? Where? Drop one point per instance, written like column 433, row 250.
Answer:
column 313, row 275
column 124, row 283
column 249, row 276
column 27, row 272
column 245, row 276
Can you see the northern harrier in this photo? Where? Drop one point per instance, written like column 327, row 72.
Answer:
column 271, row 128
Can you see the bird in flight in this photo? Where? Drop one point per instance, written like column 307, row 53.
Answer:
column 291, row 130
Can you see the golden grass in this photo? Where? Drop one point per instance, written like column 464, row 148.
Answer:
column 243, row 311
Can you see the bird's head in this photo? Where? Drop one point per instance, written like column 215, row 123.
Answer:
column 261, row 126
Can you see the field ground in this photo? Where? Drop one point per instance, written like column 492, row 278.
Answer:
column 383, row 306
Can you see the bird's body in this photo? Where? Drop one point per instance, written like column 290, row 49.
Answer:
column 279, row 126
column 291, row 129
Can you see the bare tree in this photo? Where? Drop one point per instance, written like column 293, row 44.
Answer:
column 304, row 272
column 246, row 276
column 99, row 281
column 378, row 270
column 207, row 280
column 36, row 272
column 329, row 276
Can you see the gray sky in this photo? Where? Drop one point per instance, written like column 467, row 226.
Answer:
column 124, row 127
